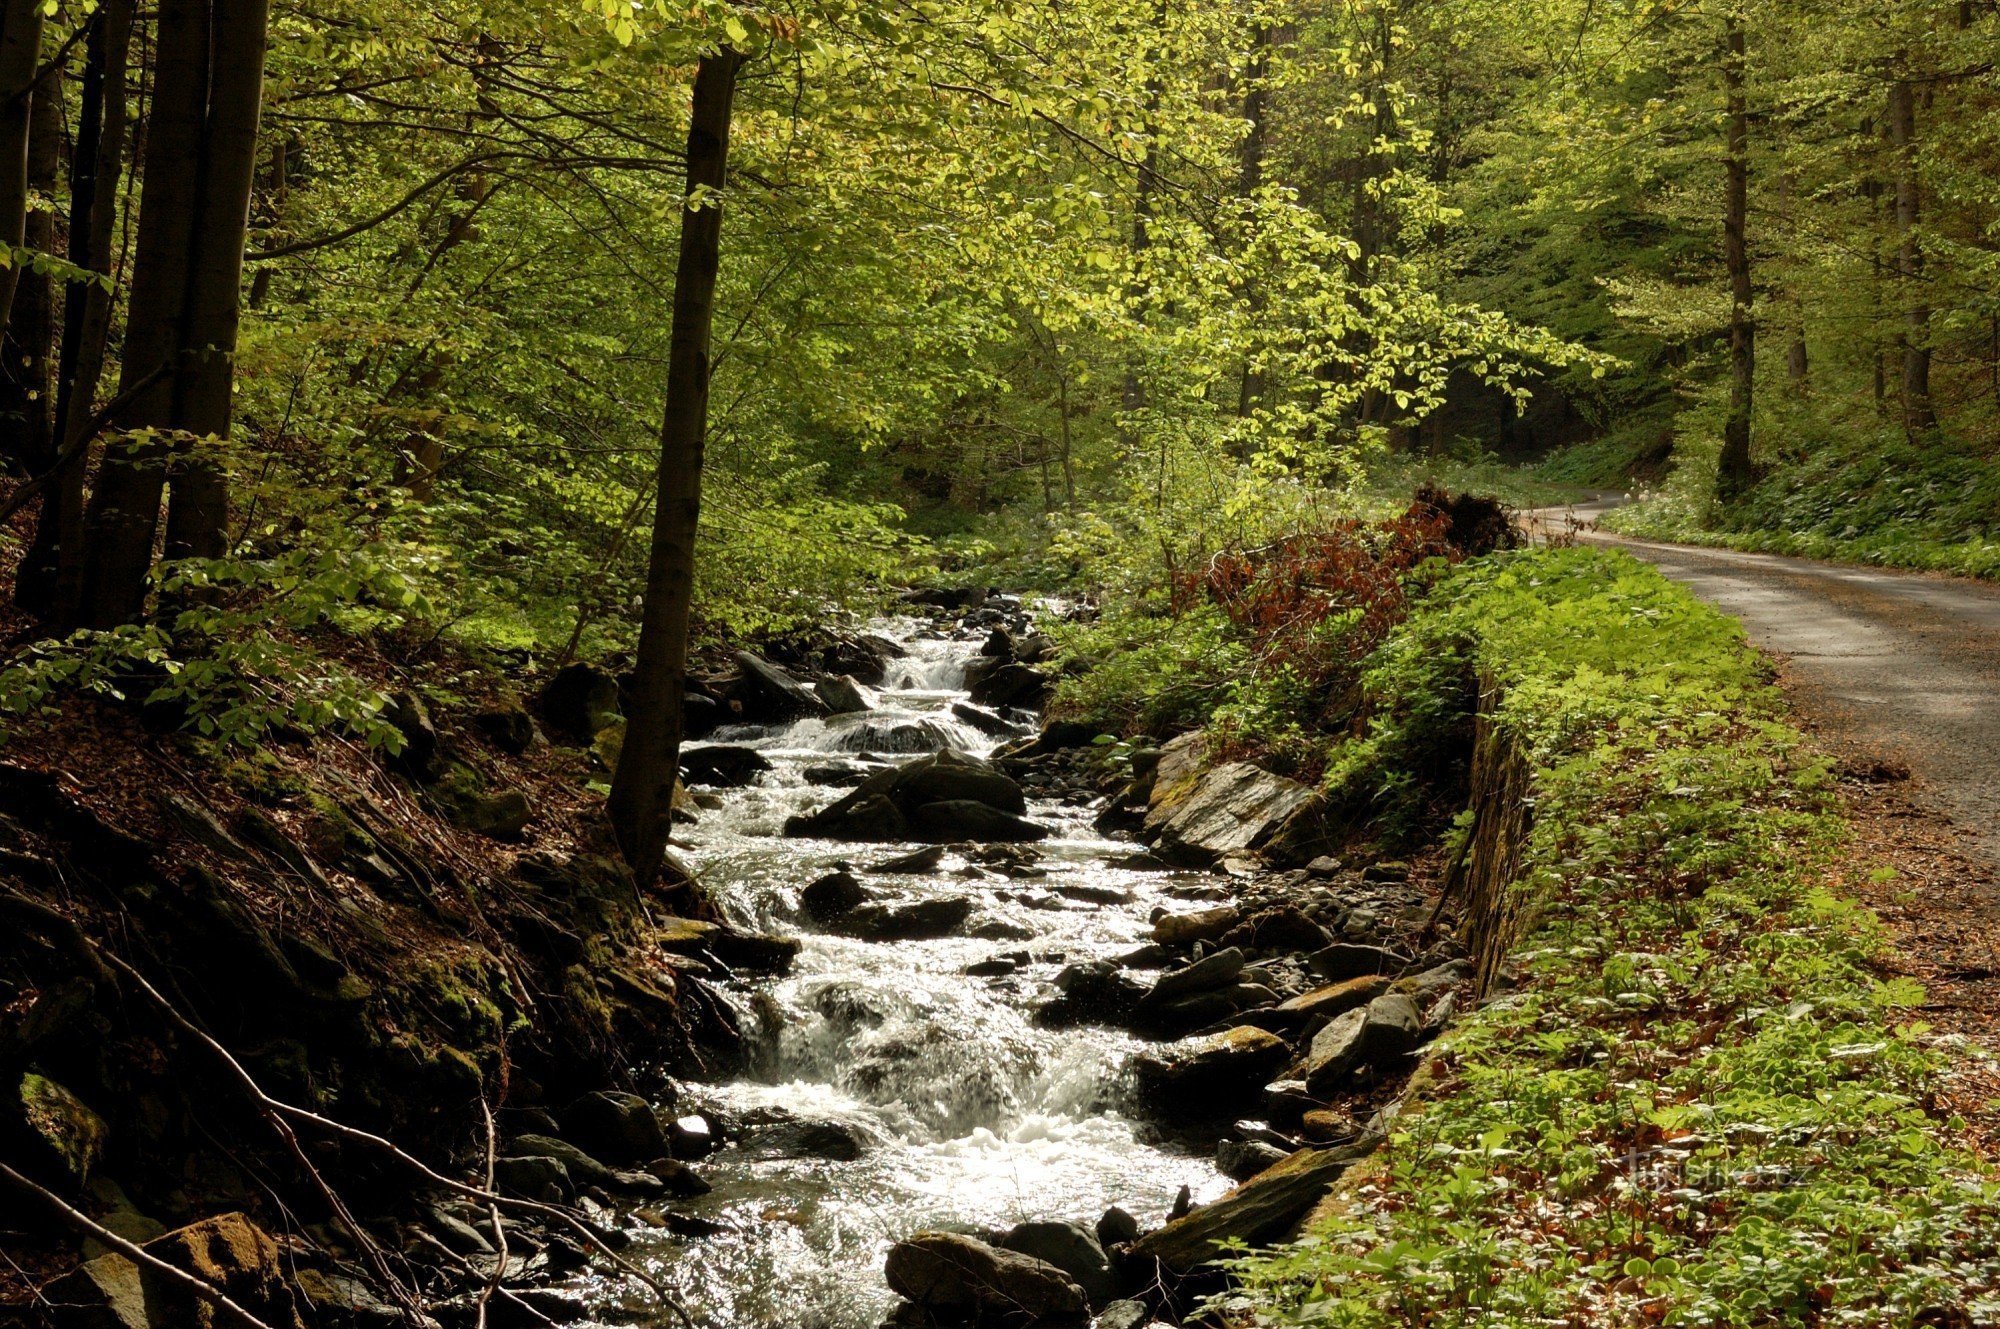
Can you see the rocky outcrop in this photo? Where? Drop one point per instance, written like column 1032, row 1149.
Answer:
column 229, row 1253
column 948, row 1274
column 942, row 798
column 580, row 701
column 1070, row 1248
column 1012, row 684
column 1200, row 816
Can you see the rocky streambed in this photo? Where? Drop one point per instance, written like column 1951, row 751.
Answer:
column 1018, row 1066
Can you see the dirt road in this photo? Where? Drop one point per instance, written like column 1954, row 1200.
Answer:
column 1898, row 666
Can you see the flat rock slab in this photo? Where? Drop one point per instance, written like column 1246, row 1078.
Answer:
column 1260, row 1210
column 1225, row 811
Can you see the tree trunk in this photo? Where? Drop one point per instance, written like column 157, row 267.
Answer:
column 30, row 339
column 1132, row 393
column 198, row 513
column 1919, row 416
column 20, row 57
column 180, row 334
column 640, row 804
column 96, row 163
column 1734, row 472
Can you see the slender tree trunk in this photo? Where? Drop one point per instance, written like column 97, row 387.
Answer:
column 1250, row 178
column 180, row 339
column 96, row 164
column 1734, row 472
column 24, row 353
column 1132, row 393
column 1919, row 416
column 20, row 57
column 640, row 804
column 30, row 343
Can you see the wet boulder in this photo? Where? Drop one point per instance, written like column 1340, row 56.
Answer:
column 581, row 1167
column 952, row 1275
column 723, row 765
column 1070, row 1248
column 533, row 1177
column 961, row 820
column 1011, row 684
column 985, row 721
column 918, row 920
column 1240, row 1160
column 835, row 1141
column 769, row 693
column 1211, row 1076
column 842, row 695
column 617, row 1127
column 228, row 1253
column 1281, row 927
column 915, row 863
column 832, row 896
column 1091, row 992
column 889, row 805
column 858, row 731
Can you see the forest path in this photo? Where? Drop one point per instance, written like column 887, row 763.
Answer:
column 1891, row 666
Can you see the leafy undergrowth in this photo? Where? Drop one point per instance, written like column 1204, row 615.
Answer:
column 1697, row 1105
column 1862, row 495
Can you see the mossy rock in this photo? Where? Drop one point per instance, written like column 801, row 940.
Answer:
column 65, row 1123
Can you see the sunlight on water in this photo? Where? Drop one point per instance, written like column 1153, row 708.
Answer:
column 974, row 1117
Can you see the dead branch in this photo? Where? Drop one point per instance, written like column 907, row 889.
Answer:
column 208, row 1292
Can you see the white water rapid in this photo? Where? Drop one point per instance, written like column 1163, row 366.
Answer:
column 974, row 1116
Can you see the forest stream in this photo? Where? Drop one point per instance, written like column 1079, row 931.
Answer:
column 963, row 1111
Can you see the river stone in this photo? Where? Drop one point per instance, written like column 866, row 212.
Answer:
column 533, row 1177
column 769, row 693
column 1386, row 1027
column 230, row 1254
column 923, row 860
column 999, row 645
column 1216, row 970
column 582, row 1168
column 1227, row 811
column 842, row 695
column 692, row 1136
column 723, row 765
column 881, row 807
column 1124, row 1315
column 838, row 775
column 1333, row 999
column 834, row 1140
column 946, row 1272
column 1344, row 960
column 1258, row 1211
column 1091, row 991
column 615, row 1126
column 833, row 895
column 1011, row 684
column 918, row 920
column 985, row 721
column 1071, row 1249
column 961, row 820
column 1280, row 928
column 1212, row 1075
column 1201, row 925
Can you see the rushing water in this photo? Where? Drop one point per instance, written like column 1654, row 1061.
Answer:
column 975, row 1116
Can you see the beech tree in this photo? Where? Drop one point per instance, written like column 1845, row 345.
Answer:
column 176, row 372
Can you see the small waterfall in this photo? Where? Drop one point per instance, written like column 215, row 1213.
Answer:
column 976, row 1116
